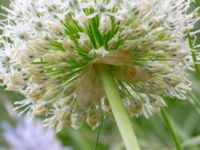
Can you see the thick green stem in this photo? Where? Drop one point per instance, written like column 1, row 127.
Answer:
column 171, row 130
column 121, row 117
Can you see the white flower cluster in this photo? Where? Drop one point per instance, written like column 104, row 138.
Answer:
column 47, row 44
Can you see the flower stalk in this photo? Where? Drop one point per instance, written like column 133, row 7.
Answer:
column 194, row 56
column 171, row 130
column 120, row 115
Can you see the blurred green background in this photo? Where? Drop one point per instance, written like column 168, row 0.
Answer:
column 152, row 133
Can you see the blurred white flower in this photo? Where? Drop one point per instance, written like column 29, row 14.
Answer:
column 31, row 135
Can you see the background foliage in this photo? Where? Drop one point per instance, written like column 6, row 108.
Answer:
column 152, row 133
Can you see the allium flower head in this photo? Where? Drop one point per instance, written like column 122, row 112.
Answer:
column 51, row 50
column 30, row 135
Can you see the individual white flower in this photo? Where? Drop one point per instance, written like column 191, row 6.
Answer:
column 84, row 39
column 82, row 18
column 105, row 24
column 51, row 50
column 122, row 15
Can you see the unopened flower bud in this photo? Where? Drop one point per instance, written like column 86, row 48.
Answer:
column 105, row 25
